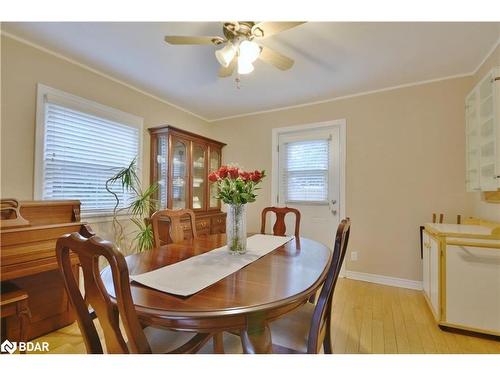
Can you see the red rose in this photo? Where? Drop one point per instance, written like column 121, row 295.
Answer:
column 233, row 172
column 245, row 176
column 223, row 171
column 256, row 176
column 213, row 177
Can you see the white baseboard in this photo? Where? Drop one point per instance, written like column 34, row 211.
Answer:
column 384, row 280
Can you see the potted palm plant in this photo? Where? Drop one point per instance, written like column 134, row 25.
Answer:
column 139, row 206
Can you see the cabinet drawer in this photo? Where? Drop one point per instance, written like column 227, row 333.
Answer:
column 219, row 221
column 202, row 224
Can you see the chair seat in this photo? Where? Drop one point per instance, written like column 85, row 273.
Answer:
column 164, row 341
column 292, row 330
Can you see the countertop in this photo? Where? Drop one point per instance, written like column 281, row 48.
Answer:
column 462, row 230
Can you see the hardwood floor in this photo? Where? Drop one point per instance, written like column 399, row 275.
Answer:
column 367, row 318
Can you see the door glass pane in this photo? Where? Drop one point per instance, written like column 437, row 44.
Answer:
column 179, row 175
column 214, row 165
column 199, row 174
column 161, row 166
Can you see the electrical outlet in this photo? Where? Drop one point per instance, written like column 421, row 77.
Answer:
column 354, row 256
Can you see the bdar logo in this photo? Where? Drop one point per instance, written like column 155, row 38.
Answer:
column 8, row 347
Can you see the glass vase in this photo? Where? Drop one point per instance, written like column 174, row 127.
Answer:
column 236, row 228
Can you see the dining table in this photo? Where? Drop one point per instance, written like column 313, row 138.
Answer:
column 245, row 302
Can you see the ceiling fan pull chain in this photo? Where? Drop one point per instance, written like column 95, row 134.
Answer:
column 238, row 81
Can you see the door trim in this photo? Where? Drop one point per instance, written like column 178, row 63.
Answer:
column 276, row 132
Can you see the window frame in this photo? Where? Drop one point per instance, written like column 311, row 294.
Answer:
column 48, row 94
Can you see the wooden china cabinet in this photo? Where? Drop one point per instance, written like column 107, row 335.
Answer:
column 180, row 164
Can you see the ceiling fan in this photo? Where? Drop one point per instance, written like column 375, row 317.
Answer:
column 240, row 45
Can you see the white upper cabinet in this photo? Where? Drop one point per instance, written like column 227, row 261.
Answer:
column 482, row 132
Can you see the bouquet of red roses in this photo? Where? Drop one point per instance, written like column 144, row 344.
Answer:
column 236, row 186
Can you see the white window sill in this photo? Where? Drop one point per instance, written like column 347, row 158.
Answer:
column 102, row 218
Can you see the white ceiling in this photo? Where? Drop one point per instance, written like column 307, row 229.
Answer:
column 331, row 59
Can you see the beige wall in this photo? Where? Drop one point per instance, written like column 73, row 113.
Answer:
column 481, row 208
column 405, row 149
column 22, row 67
column 405, row 160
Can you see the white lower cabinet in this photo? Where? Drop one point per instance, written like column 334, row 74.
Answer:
column 473, row 287
column 461, row 276
column 431, row 272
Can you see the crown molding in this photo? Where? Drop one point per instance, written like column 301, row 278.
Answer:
column 493, row 48
column 214, row 120
column 98, row 72
column 363, row 93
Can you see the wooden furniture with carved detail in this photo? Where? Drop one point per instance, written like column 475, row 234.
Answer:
column 88, row 252
column 246, row 301
column 14, row 302
column 279, row 228
column 177, row 229
column 28, row 260
column 309, row 328
column 180, row 164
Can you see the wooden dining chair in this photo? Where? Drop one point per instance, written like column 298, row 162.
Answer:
column 176, row 230
column 279, row 228
column 308, row 328
column 138, row 339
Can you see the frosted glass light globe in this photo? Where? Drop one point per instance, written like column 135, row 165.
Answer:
column 244, row 66
column 249, row 51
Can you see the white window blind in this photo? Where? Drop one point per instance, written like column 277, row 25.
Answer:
column 81, row 151
column 305, row 171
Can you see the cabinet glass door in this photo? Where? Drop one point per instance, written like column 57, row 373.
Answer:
column 214, row 164
column 487, row 138
column 179, row 174
column 161, row 170
column 199, row 176
column 472, row 142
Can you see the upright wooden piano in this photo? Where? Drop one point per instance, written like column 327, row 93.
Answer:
column 28, row 237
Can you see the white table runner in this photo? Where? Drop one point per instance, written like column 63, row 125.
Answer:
column 196, row 273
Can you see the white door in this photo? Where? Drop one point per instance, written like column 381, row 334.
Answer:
column 309, row 180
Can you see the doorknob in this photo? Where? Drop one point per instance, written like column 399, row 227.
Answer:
column 333, row 210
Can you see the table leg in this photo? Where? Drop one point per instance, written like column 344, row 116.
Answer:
column 218, row 343
column 256, row 337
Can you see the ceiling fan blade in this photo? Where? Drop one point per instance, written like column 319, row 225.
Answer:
column 277, row 59
column 228, row 72
column 266, row 29
column 171, row 39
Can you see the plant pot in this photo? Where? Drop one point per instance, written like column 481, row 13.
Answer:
column 236, row 228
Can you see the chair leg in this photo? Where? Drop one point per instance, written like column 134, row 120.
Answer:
column 218, row 341
column 23, row 315
column 327, row 341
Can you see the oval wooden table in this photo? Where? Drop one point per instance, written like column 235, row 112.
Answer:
column 246, row 300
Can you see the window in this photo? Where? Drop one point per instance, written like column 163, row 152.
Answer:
column 305, row 171
column 80, row 144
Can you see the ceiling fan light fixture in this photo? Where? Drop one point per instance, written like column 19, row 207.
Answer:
column 226, row 54
column 249, row 51
column 244, row 66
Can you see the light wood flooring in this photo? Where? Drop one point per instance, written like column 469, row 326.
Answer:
column 367, row 318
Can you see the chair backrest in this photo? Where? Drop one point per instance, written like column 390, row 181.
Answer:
column 434, row 218
column 89, row 252
column 176, row 231
column 279, row 228
column 322, row 311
